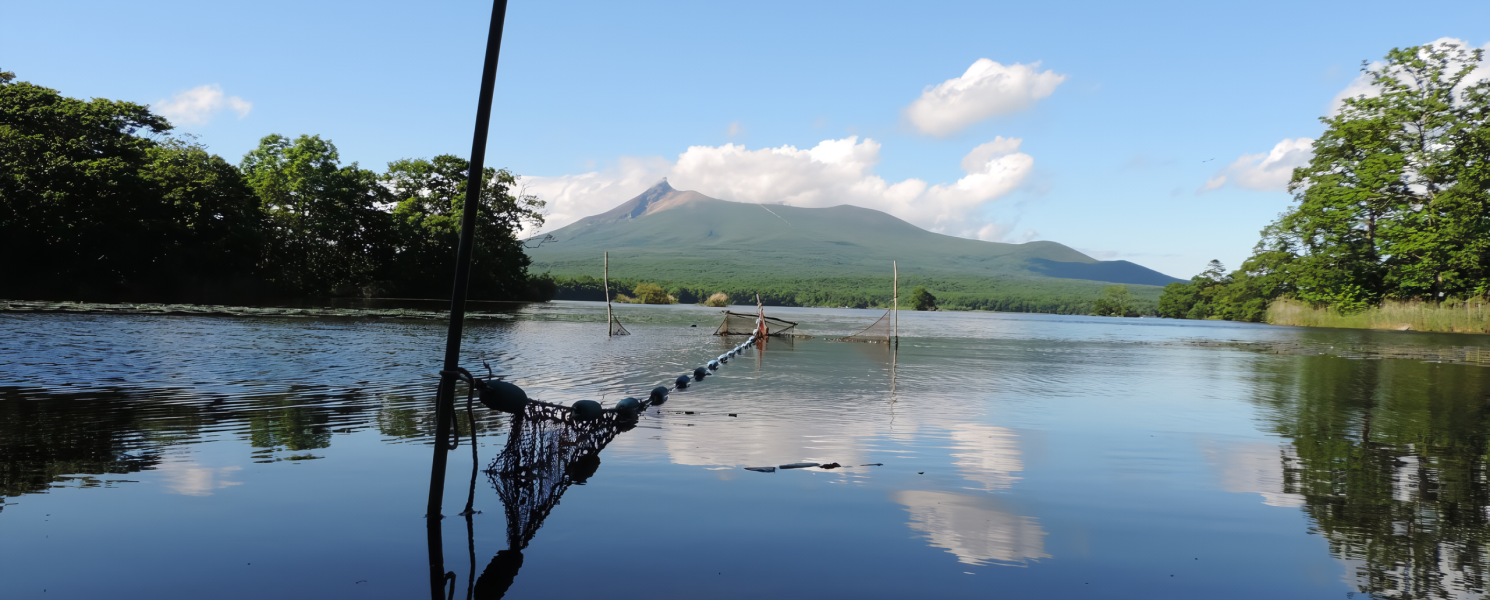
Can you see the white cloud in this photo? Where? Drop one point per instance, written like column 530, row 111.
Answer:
column 574, row 197
column 1362, row 86
column 1267, row 172
column 985, row 90
column 1004, row 232
column 831, row 173
column 735, row 129
column 198, row 105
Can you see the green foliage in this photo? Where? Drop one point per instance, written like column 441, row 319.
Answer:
column 97, row 202
column 1394, row 204
column 1116, row 301
column 717, row 300
column 651, row 293
column 1054, row 296
column 921, row 299
column 431, row 196
column 328, row 236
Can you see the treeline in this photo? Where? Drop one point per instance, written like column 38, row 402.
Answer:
column 1394, row 205
column 1014, row 295
column 99, row 202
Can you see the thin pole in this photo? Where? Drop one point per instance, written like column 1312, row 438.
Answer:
column 445, row 397
column 895, row 308
column 605, row 281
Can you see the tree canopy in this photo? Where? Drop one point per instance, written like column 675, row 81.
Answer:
column 1394, row 203
column 98, row 200
column 921, row 299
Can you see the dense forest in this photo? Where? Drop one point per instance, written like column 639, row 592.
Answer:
column 1052, row 296
column 1394, row 205
column 99, row 201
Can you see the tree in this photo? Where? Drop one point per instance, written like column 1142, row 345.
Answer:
column 1116, row 301
column 1392, row 203
column 327, row 232
column 921, row 299
column 213, row 232
column 95, row 201
column 431, row 197
column 651, row 293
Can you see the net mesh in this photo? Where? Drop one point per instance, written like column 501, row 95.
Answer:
column 882, row 330
column 744, row 324
column 616, row 328
column 546, row 452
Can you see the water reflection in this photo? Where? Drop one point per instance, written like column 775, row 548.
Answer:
column 973, row 527
column 1389, row 459
column 986, row 455
column 50, row 439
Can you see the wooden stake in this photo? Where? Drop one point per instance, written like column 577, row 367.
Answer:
column 605, row 279
column 895, row 311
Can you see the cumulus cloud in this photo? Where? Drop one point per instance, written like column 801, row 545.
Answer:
column 987, row 89
column 198, row 105
column 831, row 173
column 1266, row 172
column 1362, row 86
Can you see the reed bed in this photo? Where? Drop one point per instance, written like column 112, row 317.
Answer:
column 1450, row 316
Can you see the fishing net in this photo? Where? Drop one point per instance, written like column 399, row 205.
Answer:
column 882, row 330
column 744, row 324
column 546, row 452
column 616, row 328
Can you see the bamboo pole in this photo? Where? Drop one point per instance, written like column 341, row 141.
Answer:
column 445, row 395
column 605, row 281
column 895, row 307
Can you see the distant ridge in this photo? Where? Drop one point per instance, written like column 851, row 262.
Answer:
column 686, row 238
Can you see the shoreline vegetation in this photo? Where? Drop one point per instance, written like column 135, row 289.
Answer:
column 1451, row 316
column 1390, row 225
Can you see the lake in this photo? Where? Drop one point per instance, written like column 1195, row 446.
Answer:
column 987, row 455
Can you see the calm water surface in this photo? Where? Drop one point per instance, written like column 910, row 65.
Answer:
column 993, row 455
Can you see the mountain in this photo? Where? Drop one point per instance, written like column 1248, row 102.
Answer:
column 685, row 238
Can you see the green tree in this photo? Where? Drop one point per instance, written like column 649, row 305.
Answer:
column 69, row 187
column 650, row 293
column 921, row 299
column 431, row 195
column 96, row 201
column 1386, row 206
column 327, row 232
column 1116, row 301
column 215, row 224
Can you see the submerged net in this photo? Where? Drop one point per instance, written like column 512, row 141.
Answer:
column 616, row 328
column 547, row 451
column 882, row 330
column 744, row 324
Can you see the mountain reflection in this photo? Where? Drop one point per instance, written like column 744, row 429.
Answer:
column 1388, row 459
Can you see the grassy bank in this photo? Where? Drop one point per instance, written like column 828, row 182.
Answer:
column 1451, row 316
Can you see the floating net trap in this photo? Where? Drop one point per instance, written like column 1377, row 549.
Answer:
column 616, row 328
column 882, row 331
column 744, row 324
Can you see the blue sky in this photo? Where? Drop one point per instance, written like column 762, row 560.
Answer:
column 1097, row 125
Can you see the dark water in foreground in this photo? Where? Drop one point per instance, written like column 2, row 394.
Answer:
column 1022, row 456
